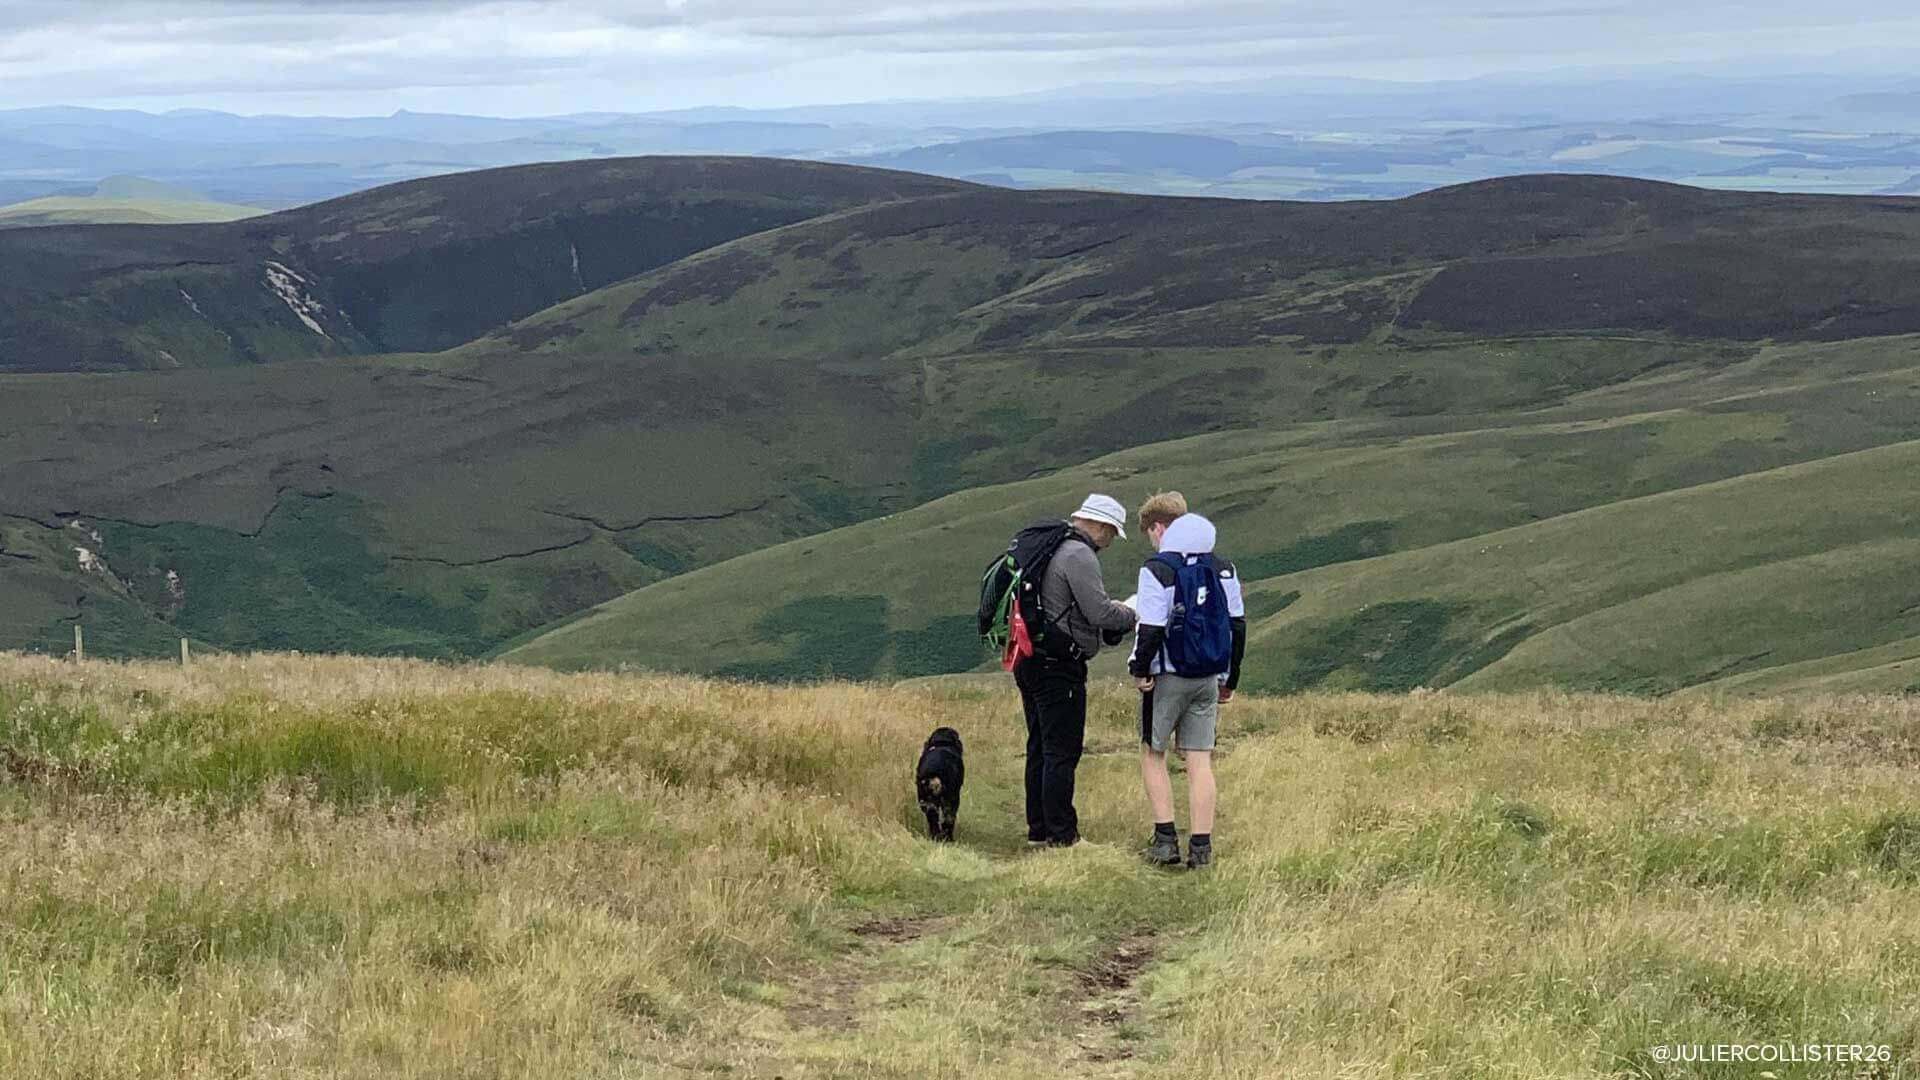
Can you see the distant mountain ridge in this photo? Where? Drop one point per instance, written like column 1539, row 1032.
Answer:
column 1321, row 139
column 1120, row 152
column 139, row 187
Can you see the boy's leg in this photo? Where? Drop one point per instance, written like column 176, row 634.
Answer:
column 1153, row 772
column 1153, row 764
column 1159, row 712
column 1163, row 849
column 1200, row 790
column 1198, row 725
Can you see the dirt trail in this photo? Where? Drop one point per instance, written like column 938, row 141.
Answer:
column 828, row 997
column 1103, row 996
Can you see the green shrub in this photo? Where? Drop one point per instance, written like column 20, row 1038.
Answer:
column 948, row 644
column 307, row 582
column 1392, row 647
column 1348, row 543
column 180, row 930
column 823, row 637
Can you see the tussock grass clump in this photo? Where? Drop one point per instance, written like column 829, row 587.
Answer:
column 1894, row 842
column 285, row 866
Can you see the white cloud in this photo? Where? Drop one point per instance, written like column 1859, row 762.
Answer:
column 514, row 56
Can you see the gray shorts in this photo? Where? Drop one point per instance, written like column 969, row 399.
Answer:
column 1178, row 705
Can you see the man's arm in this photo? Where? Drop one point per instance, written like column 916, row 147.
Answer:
column 1082, row 571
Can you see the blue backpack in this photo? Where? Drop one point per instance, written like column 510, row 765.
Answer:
column 1199, row 631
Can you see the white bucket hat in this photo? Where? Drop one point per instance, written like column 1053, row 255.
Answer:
column 1105, row 509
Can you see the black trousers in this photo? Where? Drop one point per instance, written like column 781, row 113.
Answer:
column 1054, row 695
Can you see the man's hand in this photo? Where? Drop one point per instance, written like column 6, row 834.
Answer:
column 1144, row 683
column 1226, row 695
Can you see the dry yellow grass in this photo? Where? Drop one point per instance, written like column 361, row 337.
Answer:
column 288, row 866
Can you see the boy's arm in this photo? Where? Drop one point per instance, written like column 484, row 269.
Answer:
column 1237, row 618
column 1155, row 601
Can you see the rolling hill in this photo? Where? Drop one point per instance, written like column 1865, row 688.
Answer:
column 411, row 267
column 774, row 351
column 993, row 271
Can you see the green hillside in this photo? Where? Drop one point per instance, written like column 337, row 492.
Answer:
column 1890, row 668
column 1776, row 568
column 752, row 353
column 1599, row 543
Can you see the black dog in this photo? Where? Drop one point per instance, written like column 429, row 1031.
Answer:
column 938, row 777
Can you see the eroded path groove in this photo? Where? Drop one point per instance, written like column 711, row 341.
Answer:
column 1109, row 997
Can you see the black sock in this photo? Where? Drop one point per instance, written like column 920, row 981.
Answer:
column 1164, row 828
column 1200, row 839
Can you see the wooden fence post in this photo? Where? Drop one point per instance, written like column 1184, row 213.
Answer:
column 183, row 652
column 79, row 644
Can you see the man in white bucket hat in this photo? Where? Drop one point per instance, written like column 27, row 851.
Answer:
column 1053, row 682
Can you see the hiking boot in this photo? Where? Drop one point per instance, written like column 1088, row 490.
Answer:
column 1199, row 856
column 1163, row 850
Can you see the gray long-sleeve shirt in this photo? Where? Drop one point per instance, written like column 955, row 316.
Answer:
column 1073, row 592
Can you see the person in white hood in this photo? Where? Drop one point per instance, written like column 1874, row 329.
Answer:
column 1186, row 661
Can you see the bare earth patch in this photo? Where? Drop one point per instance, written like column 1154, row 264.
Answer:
column 1108, row 995
column 828, row 997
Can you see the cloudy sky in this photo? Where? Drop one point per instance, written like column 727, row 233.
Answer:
column 524, row 58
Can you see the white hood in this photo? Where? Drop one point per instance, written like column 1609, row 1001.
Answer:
column 1190, row 534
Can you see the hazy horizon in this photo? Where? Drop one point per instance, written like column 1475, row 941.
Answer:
column 1892, row 78
column 1223, row 98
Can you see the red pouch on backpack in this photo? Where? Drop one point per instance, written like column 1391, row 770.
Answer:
column 1019, row 642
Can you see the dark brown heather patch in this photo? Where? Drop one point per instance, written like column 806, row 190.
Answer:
column 713, row 280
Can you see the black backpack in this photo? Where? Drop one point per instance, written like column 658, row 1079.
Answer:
column 1012, row 582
